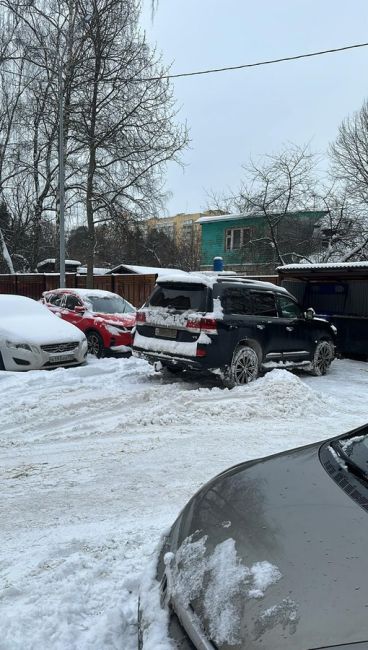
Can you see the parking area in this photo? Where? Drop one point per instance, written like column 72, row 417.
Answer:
column 96, row 463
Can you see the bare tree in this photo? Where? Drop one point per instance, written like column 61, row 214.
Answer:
column 273, row 188
column 349, row 154
column 119, row 116
column 124, row 119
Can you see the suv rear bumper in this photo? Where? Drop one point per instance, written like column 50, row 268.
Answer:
column 186, row 363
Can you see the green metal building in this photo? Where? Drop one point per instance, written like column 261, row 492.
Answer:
column 244, row 243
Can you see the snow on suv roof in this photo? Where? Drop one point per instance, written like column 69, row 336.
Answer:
column 188, row 278
column 210, row 278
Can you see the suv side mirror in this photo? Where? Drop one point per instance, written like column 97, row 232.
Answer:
column 309, row 313
column 79, row 309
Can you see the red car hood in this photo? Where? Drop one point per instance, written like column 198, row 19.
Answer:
column 127, row 320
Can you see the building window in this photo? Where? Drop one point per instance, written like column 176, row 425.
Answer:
column 167, row 229
column 235, row 238
column 187, row 229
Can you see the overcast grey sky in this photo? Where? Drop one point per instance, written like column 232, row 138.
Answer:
column 237, row 114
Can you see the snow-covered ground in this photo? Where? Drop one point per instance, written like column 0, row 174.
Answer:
column 96, row 463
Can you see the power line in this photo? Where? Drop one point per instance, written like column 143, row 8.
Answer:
column 258, row 63
column 214, row 70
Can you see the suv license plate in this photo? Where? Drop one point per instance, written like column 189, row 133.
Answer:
column 165, row 332
column 61, row 357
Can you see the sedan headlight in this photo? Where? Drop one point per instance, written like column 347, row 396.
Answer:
column 121, row 328
column 18, row 346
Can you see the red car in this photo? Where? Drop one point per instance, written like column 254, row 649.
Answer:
column 105, row 318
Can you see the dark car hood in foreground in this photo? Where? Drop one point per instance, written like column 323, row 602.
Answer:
column 287, row 511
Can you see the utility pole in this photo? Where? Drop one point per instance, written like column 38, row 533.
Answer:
column 61, row 167
column 61, row 177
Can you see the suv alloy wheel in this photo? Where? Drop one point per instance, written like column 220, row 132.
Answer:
column 323, row 357
column 244, row 366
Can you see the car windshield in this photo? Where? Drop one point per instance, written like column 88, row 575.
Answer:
column 355, row 451
column 109, row 305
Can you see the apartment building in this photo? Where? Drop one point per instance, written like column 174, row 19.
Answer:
column 180, row 227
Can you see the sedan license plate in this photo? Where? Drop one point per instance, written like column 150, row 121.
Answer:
column 59, row 358
column 165, row 332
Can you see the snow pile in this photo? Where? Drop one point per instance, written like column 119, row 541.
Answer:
column 279, row 394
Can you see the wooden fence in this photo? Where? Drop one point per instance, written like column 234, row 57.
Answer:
column 135, row 288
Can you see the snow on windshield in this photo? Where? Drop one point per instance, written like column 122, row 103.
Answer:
column 108, row 304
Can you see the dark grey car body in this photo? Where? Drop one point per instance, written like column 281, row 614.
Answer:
column 306, row 514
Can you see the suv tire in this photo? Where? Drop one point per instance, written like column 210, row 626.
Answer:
column 323, row 356
column 172, row 370
column 244, row 367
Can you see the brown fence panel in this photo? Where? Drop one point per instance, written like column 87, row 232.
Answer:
column 135, row 288
column 31, row 285
column 51, row 280
column 8, row 284
column 81, row 281
column 104, row 282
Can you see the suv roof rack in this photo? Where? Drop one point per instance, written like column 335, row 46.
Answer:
column 244, row 279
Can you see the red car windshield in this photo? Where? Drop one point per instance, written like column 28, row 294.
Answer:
column 109, row 305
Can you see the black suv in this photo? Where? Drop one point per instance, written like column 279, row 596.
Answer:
column 232, row 326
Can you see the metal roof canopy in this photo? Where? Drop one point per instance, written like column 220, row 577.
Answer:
column 326, row 271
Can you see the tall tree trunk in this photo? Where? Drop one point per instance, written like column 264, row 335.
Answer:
column 6, row 254
column 91, row 239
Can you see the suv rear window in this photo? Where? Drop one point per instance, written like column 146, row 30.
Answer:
column 181, row 297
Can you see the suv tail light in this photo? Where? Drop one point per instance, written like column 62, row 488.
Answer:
column 141, row 317
column 208, row 325
column 205, row 325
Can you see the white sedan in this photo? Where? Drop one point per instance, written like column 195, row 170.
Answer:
column 31, row 337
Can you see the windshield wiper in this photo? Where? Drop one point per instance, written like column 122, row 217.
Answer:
column 351, row 465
